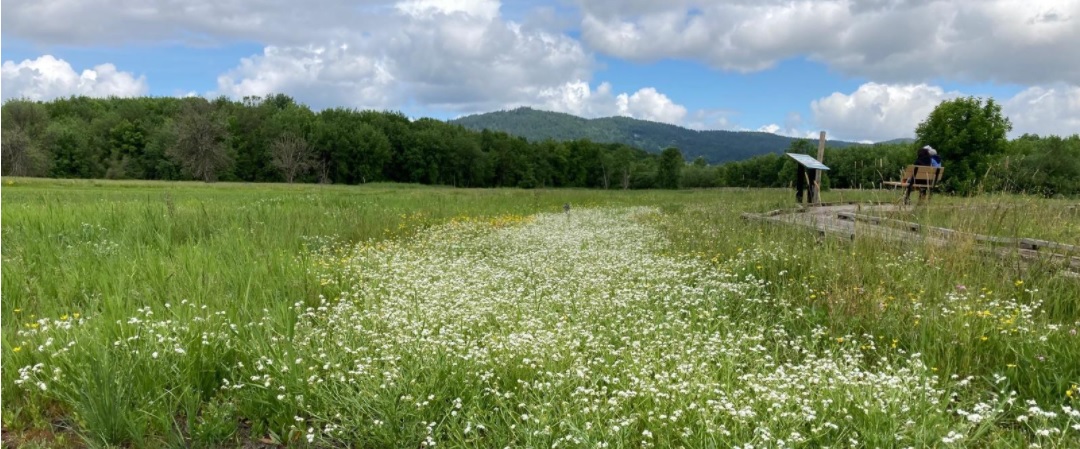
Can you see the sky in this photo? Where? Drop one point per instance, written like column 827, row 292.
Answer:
column 861, row 70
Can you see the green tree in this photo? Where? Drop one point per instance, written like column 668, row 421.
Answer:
column 349, row 149
column 967, row 133
column 67, row 140
column 201, row 136
column 21, row 157
column 22, row 123
column 1047, row 166
column 671, row 164
column 127, row 145
column 251, row 137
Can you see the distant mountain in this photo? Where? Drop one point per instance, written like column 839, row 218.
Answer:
column 902, row 140
column 714, row 146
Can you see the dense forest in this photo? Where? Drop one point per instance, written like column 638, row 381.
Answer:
column 275, row 139
column 713, row 146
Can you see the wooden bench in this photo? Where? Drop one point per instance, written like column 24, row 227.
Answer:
column 920, row 177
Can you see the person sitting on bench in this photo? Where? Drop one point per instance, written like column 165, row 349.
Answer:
column 935, row 160
column 924, row 158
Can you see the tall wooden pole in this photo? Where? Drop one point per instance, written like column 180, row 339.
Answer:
column 821, row 148
column 815, row 190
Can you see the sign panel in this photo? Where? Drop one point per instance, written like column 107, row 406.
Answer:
column 807, row 161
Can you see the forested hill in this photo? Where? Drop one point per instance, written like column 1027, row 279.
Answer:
column 714, row 146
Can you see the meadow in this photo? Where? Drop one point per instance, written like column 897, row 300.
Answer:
column 155, row 314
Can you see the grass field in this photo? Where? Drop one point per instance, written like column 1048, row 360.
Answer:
column 1034, row 218
column 141, row 314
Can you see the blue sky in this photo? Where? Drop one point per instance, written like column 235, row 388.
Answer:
column 859, row 70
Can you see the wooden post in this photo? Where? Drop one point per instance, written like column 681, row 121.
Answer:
column 800, row 181
column 821, row 148
column 815, row 190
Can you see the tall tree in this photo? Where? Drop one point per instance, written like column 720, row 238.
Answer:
column 966, row 132
column 250, row 138
column 30, row 116
column 200, row 145
column 20, row 156
column 671, row 164
column 292, row 155
column 126, row 158
column 67, row 139
column 22, row 123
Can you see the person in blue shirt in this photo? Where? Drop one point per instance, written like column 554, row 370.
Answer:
column 926, row 157
column 935, row 160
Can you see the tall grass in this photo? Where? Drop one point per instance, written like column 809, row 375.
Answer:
column 170, row 287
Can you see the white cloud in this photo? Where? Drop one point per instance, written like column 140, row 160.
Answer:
column 1045, row 110
column 888, row 41
column 648, row 104
column 488, row 9
column 578, row 98
column 46, row 78
column 458, row 56
column 323, row 76
column 469, row 62
column 877, row 112
column 770, row 128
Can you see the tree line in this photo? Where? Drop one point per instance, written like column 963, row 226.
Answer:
column 275, row 139
column 1048, row 166
column 968, row 133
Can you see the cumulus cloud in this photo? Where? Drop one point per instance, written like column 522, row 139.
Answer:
column 469, row 59
column 876, row 111
column 578, row 98
column 889, row 41
column 459, row 56
column 320, row 76
column 1045, row 110
column 648, row 104
column 47, row 77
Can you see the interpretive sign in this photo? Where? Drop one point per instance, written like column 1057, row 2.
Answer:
column 807, row 161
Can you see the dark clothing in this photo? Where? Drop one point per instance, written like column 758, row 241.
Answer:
column 924, row 160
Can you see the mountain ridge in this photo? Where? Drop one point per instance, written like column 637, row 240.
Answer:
column 715, row 146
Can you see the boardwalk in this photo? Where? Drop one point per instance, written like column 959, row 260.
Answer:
column 855, row 220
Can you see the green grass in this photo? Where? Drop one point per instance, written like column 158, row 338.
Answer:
column 223, row 271
column 1056, row 220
